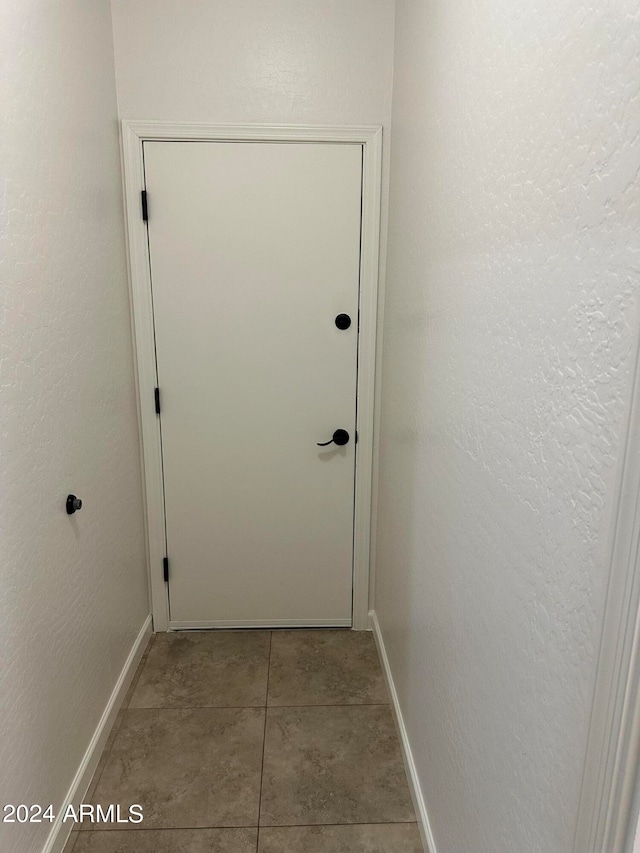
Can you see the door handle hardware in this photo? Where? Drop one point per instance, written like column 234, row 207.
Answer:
column 340, row 437
column 73, row 504
column 343, row 321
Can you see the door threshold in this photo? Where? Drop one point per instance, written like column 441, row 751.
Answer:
column 259, row 623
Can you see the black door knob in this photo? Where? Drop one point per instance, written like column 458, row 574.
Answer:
column 340, row 437
column 73, row 504
column 343, row 321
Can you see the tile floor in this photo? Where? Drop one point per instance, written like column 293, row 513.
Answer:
column 255, row 742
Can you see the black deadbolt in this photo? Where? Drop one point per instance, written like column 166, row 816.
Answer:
column 73, row 504
column 340, row 437
column 343, row 321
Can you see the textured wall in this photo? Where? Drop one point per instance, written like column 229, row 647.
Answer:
column 511, row 324
column 72, row 589
column 271, row 61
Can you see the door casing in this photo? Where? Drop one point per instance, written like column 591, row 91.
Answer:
column 134, row 133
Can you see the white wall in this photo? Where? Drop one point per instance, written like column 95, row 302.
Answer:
column 511, row 326
column 271, row 61
column 72, row 589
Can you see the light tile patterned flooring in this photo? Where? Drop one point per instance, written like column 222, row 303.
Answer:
column 255, row 742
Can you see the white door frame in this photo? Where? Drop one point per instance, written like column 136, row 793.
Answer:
column 134, row 133
column 610, row 791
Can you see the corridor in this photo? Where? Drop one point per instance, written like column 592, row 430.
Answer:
column 245, row 741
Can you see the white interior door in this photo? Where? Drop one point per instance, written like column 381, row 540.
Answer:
column 254, row 250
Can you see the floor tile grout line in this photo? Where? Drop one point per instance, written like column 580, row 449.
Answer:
column 264, row 739
column 355, row 823
column 250, row 826
column 250, row 707
column 336, row 705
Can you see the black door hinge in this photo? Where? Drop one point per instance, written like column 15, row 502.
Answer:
column 145, row 209
column 165, row 569
column 156, row 394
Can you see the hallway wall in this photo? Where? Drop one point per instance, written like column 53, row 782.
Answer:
column 73, row 593
column 510, row 335
column 279, row 61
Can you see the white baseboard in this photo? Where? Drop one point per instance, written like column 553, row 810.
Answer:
column 414, row 783
column 60, row 831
